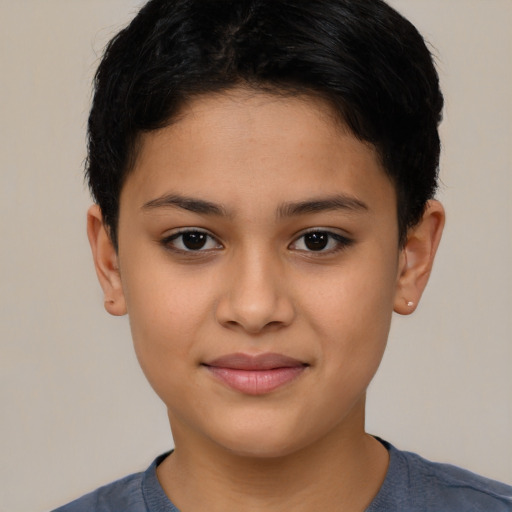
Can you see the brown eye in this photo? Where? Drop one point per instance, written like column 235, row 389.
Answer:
column 191, row 241
column 316, row 241
column 322, row 242
column 194, row 240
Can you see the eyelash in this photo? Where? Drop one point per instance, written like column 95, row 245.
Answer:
column 167, row 242
column 342, row 242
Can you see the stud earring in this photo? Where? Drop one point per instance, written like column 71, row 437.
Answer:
column 410, row 304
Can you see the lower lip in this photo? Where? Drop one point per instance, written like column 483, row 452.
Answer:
column 256, row 382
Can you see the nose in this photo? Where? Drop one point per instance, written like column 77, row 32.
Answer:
column 255, row 296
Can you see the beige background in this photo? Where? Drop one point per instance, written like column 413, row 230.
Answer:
column 76, row 410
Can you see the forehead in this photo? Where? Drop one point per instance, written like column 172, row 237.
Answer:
column 240, row 144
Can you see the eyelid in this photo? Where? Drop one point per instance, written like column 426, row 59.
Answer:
column 343, row 241
column 167, row 240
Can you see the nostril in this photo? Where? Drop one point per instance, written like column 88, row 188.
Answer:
column 274, row 324
column 254, row 328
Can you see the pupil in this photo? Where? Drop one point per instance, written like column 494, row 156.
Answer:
column 194, row 240
column 316, row 241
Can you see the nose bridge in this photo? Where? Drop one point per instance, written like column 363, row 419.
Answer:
column 256, row 297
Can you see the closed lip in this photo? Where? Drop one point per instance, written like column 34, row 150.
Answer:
column 259, row 362
column 255, row 374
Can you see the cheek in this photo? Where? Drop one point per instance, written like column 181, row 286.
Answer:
column 358, row 298
column 166, row 311
column 352, row 317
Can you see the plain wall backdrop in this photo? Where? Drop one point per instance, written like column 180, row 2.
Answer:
column 76, row 409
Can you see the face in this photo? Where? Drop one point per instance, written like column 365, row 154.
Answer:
column 259, row 261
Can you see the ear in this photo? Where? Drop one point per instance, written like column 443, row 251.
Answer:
column 106, row 262
column 417, row 258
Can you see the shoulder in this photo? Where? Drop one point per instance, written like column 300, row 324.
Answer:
column 124, row 494
column 444, row 487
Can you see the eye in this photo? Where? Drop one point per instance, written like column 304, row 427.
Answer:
column 191, row 240
column 321, row 241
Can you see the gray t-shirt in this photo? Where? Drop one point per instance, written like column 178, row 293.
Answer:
column 412, row 484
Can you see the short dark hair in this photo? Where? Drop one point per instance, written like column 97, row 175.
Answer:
column 362, row 56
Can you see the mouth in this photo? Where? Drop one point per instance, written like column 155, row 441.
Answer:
column 255, row 375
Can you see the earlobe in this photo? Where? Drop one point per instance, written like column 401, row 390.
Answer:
column 417, row 258
column 105, row 262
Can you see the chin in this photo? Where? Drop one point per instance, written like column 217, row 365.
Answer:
column 265, row 450
column 262, row 441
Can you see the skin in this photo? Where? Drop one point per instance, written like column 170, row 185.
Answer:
column 257, row 287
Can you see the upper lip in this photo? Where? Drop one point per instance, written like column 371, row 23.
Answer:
column 267, row 361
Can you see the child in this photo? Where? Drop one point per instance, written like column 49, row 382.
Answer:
column 264, row 174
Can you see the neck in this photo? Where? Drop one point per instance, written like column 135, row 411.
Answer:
column 342, row 471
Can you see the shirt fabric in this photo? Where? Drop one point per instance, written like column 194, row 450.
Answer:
column 412, row 484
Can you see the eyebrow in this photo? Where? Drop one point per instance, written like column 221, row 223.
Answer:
column 291, row 209
column 332, row 203
column 186, row 203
